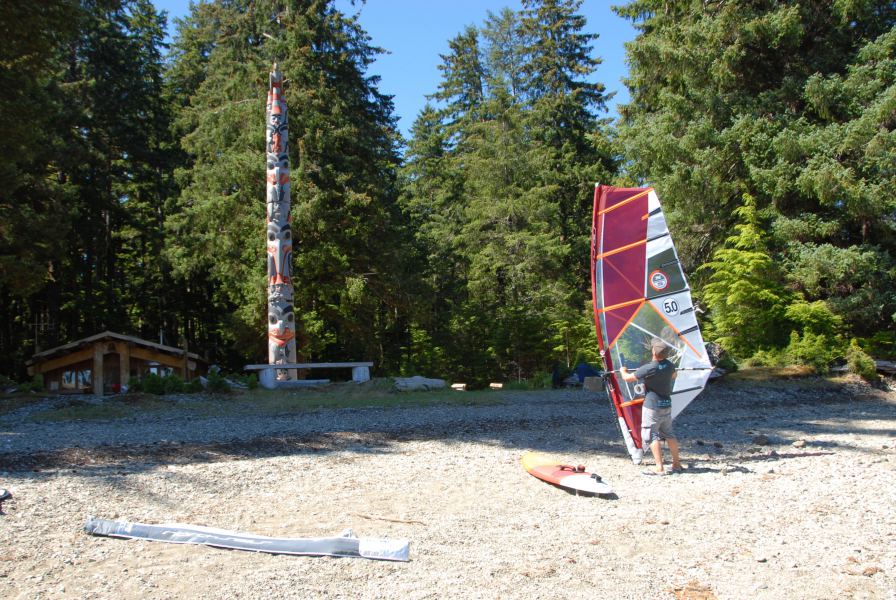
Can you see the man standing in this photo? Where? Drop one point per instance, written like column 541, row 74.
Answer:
column 656, row 416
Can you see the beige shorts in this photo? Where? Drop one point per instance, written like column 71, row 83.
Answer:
column 656, row 424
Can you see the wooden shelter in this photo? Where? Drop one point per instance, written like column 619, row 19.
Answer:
column 103, row 363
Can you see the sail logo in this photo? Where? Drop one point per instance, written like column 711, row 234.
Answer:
column 658, row 280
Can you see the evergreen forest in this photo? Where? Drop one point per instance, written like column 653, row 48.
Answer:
column 132, row 180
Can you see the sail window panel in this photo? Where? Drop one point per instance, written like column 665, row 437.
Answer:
column 620, row 359
column 605, row 341
column 634, row 342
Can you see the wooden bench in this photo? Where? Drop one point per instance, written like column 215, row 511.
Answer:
column 267, row 374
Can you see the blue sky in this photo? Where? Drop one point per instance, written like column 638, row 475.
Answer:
column 416, row 32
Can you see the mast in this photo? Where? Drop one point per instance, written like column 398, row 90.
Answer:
column 281, row 317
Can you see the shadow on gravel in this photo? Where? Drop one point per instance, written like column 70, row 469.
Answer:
column 112, row 460
column 692, row 470
column 727, row 416
column 734, row 463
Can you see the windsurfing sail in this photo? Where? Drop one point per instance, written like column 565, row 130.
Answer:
column 178, row 533
column 640, row 293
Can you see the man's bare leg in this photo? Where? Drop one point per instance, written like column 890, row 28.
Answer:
column 673, row 450
column 657, row 451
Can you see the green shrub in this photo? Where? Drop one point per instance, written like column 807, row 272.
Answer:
column 193, row 386
column 517, row 385
column 216, row 382
column 252, row 381
column 35, row 385
column 172, row 384
column 813, row 350
column 135, row 385
column 543, row 381
column 153, row 384
column 767, row 358
column 859, row 363
column 539, row 381
column 814, row 317
column 882, row 345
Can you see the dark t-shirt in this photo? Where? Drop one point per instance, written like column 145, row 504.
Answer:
column 658, row 381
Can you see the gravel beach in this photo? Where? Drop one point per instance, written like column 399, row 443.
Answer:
column 789, row 492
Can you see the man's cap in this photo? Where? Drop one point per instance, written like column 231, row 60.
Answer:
column 659, row 348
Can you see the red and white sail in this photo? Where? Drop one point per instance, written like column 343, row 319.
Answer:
column 640, row 293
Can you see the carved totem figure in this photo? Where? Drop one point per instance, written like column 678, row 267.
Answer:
column 281, row 316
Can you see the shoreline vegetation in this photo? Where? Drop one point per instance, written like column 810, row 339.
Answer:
column 377, row 393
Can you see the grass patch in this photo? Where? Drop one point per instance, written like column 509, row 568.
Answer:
column 772, row 377
column 335, row 396
column 117, row 407
column 765, row 374
column 377, row 393
column 13, row 402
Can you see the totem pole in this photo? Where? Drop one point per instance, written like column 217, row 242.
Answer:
column 281, row 318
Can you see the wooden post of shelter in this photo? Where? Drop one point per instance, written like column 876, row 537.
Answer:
column 97, row 374
column 124, row 363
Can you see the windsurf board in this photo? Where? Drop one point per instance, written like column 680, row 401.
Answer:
column 572, row 478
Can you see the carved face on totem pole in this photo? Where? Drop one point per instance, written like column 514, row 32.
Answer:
column 281, row 331
column 278, row 194
column 276, row 109
column 278, row 143
column 279, row 253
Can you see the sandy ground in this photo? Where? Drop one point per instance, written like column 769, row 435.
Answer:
column 809, row 514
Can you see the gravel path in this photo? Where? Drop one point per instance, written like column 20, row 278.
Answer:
column 790, row 492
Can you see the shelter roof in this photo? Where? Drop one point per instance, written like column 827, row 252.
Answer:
column 104, row 337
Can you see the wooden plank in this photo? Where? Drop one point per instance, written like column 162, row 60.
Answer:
column 309, row 366
column 111, row 336
column 167, row 360
column 63, row 361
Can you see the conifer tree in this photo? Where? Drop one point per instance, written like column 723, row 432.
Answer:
column 347, row 260
column 515, row 164
column 34, row 214
column 564, row 122
column 744, row 292
column 87, row 125
column 785, row 102
column 115, row 130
